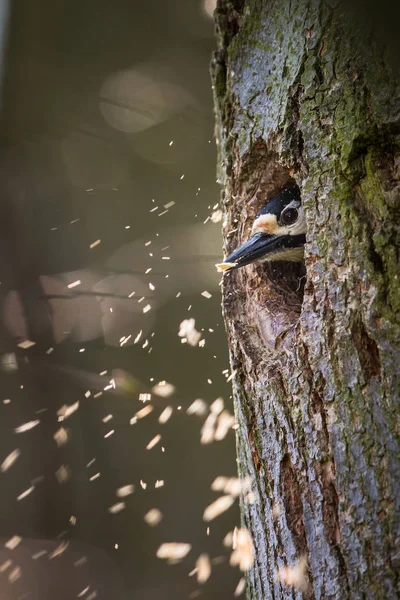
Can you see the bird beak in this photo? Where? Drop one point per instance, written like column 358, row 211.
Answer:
column 261, row 245
column 256, row 247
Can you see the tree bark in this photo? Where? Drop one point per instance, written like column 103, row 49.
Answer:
column 302, row 92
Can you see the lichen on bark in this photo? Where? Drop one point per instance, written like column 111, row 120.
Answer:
column 302, row 92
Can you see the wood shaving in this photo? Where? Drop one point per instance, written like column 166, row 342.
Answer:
column 116, row 508
column 153, row 442
column 13, row 542
column 66, row 411
column 243, row 550
column 74, row 284
column 153, row 517
column 165, row 415
column 294, row 576
column 62, row 474
column 125, row 490
column 198, row 407
column 163, row 389
column 225, row 266
column 59, row 550
column 61, row 436
column 241, row 586
column 26, row 344
column 27, row 426
column 143, row 412
column 173, row 550
column 218, row 507
column 203, row 567
column 10, row 460
column 25, row 493
column 187, row 330
column 14, row 575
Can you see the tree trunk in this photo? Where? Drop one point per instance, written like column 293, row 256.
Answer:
column 301, row 92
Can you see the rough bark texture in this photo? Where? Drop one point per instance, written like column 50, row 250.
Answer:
column 301, row 92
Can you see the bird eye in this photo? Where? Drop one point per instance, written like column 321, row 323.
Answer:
column 289, row 217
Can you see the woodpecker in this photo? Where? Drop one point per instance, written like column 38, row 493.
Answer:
column 278, row 233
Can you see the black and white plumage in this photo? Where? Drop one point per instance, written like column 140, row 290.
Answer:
column 278, row 232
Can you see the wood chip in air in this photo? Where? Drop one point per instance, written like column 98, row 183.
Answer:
column 125, row 490
column 165, row 415
column 10, row 460
column 203, row 567
column 143, row 412
column 163, row 389
column 153, row 517
column 198, row 407
column 243, row 550
column 219, row 483
column 13, row 542
column 83, row 592
column 26, row 344
column 116, row 508
column 206, row 294
column 216, row 216
column 153, row 442
column 5, row 565
column 27, row 426
column 250, row 498
column 14, row 575
column 67, row 410
column 224, row 424
column 25, row 493
column 234, row 486
column 173, row 550
column 59, row 550
column 187, row 330
column 217, row 406
column 74, row 284
column 39, row 554
column 218, row 507
column 241, row 586
column 208, row 429
column 225, row 266
column 62, row 474
column 61, row 436
column 294, row 576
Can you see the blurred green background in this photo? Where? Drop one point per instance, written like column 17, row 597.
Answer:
column 106, row 120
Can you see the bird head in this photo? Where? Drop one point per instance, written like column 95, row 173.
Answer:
column 278, row 233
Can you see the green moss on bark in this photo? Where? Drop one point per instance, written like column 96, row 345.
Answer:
column 314, row 92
